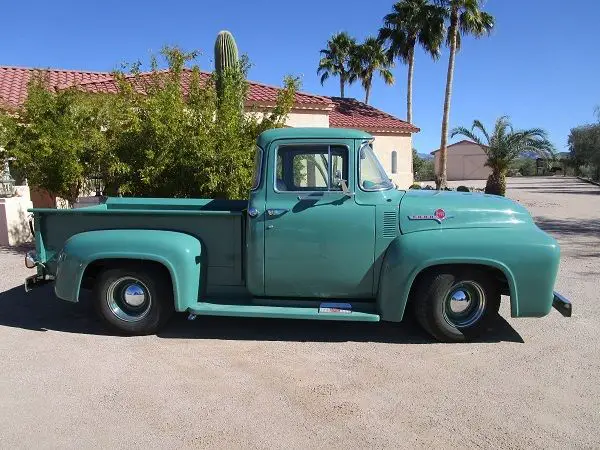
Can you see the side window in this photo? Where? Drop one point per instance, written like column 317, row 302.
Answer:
column 257, row 168
column 394, row 161
column 310, row 167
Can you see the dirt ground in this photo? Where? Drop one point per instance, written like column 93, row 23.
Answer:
column 245, row 383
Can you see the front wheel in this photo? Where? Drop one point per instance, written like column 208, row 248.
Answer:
column 134, row 300
column 456, row 304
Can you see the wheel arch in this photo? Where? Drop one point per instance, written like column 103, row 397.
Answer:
column 404, row 264
column 97, row 266
column 86, row 254
column 497, row 270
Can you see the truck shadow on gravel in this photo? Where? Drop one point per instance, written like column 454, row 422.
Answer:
column 569, row 227
column 41, row 311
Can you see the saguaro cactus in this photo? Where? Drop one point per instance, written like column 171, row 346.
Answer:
column 226, row 52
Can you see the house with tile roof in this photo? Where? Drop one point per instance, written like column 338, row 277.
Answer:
column 393, row 136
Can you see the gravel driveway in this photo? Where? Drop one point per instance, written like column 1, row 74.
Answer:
column 231, row 383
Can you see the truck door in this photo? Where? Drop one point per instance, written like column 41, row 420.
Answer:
column 318, row 241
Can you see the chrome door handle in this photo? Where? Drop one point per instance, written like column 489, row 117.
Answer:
column 276, row 211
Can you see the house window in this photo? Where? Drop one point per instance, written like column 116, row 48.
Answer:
column 394, row 161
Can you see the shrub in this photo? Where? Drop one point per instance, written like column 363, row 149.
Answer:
column 151, row 139
column 415, row 186
column 463, row 189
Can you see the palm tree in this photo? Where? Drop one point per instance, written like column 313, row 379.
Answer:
column 412, row 22
column 335, row 60
column 466, row 18
column 503, row 146
column 368, row 58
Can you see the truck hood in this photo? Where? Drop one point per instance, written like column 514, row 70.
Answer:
column 435, row 210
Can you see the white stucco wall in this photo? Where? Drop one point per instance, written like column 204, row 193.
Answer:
column 384, row 145
column 14, row 226
column 466, row 161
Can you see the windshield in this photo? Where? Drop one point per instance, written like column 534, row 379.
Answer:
column 372, row 174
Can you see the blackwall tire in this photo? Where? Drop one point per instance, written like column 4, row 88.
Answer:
column 456, row 304
column 134, row 300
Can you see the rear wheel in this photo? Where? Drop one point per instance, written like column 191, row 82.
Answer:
column 456, row 304
column 134, row 300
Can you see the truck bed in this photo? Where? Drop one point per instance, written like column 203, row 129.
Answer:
column 219, row 224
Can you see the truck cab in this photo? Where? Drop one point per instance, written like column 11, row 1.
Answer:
column 323, row 235
column 318, row 213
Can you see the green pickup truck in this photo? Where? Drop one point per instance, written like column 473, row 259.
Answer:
column 324, row 235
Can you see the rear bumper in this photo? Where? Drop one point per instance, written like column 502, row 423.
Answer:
column 37, row 281
column 562, row 305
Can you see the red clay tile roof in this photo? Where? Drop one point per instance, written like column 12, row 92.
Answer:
column 343, row 112
column 14, row 80
column 350, row 113
column 259, row 94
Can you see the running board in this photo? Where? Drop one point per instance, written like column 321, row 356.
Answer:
column 326, row 311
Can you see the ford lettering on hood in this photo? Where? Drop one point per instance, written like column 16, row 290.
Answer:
column 433, row 210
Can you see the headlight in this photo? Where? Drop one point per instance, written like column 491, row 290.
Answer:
column 31, row 259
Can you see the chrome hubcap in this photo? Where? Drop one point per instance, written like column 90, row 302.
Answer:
column 128, row 299
column 134, row 295
column 465, row 304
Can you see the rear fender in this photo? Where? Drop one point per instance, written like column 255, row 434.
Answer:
column 179, row 253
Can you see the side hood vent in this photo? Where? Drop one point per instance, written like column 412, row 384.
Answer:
column 390, row 224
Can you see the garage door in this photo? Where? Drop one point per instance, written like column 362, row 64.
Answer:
column 474, row 167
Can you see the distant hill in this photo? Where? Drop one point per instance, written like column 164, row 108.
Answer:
column 425, row 156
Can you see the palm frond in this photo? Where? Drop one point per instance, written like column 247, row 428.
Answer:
column 469, row 134
column 412, row 22
column 324, row 77
column 505, row 144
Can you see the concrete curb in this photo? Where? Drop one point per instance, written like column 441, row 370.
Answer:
column 588, row 181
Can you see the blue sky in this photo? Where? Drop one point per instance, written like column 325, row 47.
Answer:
column 541, row 66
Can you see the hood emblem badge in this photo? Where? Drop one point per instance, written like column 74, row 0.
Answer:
column 439, row 215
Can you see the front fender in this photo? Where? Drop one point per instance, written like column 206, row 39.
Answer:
column 527, row 256
column 180, row 253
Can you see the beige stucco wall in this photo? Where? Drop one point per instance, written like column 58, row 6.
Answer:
column 298, row 119
column 466, row 161
column 302, row 118
column 384, row 145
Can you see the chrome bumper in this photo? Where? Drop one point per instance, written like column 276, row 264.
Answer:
column 562, row 305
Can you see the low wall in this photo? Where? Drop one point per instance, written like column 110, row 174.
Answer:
column 14, row 223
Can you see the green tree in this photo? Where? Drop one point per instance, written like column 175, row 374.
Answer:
column 584, row 148
column 335, row 60
column 465, row 18
column 410, row 23
column 503, row 146
column 368, row 58
column 53, row 138
column 151, row 139
column 423, row 169
column 168, row 143
column 523, row 165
